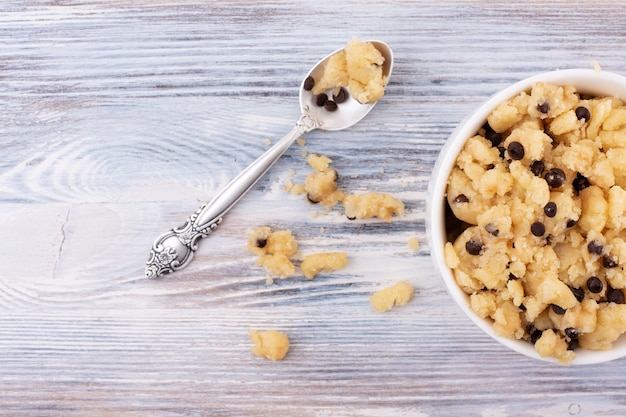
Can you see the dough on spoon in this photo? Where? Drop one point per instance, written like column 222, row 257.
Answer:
column 359, row 66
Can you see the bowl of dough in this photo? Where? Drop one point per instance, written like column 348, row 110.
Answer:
column 527, row 216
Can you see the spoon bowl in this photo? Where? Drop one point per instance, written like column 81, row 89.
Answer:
column 174, row 249
column 349, row 112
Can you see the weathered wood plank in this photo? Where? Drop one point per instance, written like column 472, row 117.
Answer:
column 120, row 118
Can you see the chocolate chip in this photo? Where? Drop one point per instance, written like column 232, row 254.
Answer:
column 311, row 198
column 571, row 332
column 495, row 138
column 558, row 309
column 550, row 209
column 608, row 262
column 260, row 243
column 595, row 247
column 582, row 113
column 555, row 177
column 571, row 223
column 538, row 229
column 580, row 182
column 474, row 246
column 330, row 105
column 543, row 107
column 535, row 335
column 537, row 168
column 515, row 150
column 309, row 82
column 340, row 95
column 595, row 285
column 461, row 198
column 579, row 293
column 492, row 229
column 320, row 99
column 614, row 295
column 492, row 136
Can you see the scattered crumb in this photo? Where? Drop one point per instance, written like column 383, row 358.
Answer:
column 368, row 205
column 274, row 250
column 278, row 265
column 382, row 170
column 321, row 185
column 267, row 142
column 596, row 65
column 269, row 344
column 297, row 189
column 301, row 141
column 277, row 251
column 414, row 243
column 321, row 188
column 289, row 185
column 323, row 262
column 292, row 172
column 394, row 296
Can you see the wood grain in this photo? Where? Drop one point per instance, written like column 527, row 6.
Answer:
column 119, row 118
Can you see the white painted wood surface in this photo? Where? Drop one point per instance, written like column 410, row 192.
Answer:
column 119, row 118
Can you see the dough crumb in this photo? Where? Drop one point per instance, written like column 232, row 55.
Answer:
column 321, row 185
column 596, row 65
column 368, row 205
column 269, row 344
column 277, row 251
column 321, row 188
column 323, row 262
column 274, row 250
column 414, row 243
column 394, row 296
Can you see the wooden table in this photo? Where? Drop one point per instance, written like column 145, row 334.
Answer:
column 119, row 118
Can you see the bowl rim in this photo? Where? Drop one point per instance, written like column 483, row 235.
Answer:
column 590, row 81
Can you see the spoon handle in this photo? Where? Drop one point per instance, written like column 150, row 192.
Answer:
column 243, row 182
column 174, row 249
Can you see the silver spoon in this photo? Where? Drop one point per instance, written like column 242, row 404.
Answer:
column 174, row 250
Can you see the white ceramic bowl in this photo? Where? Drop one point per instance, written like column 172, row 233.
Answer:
column 598, row 83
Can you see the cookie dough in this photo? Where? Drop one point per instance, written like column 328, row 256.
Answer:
column 368, row 205
column 393, row 296
column 321, row 187
column 359, row 66
column 269, row 344
column 278, row 254
column 323, row 262
column 537, row 221
column 274, row 250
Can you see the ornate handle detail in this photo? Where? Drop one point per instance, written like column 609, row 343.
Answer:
column 174, row 250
